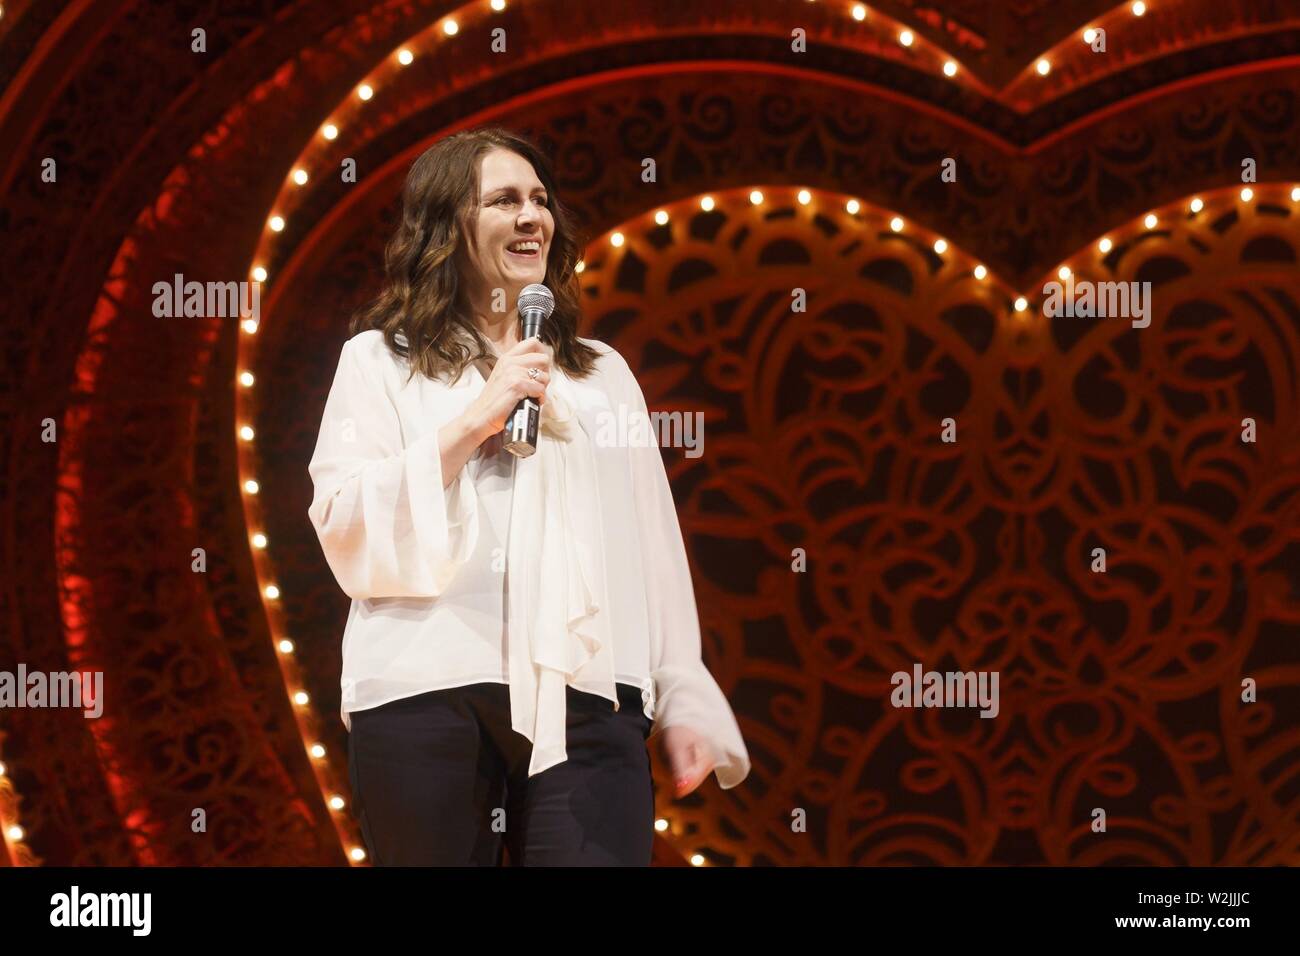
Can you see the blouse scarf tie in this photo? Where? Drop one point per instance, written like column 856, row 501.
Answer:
column 558, row 629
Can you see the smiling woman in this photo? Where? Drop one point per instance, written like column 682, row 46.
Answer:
column 473, row 684
column 452, row 281
column 510, row 240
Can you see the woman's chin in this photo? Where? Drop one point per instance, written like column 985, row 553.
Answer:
column 532, row 268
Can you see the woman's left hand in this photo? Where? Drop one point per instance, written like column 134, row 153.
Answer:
column 689, row 756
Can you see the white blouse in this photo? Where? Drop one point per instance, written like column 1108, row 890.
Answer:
column 426, row 568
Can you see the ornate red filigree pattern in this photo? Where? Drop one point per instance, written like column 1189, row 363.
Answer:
column 819, row 424
column 822, row 433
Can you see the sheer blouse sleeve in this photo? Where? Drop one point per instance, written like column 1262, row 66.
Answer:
column 686, row 693
column 387, row 526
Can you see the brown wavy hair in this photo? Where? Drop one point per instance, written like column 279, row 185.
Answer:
column 423, row 296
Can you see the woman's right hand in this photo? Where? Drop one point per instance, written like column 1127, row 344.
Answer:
column 508, row 383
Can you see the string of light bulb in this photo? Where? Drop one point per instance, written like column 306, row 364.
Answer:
column 290, row 194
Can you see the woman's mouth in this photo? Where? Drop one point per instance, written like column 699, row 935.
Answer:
column 527, row 249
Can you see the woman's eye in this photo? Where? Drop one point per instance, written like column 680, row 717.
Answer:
column 545, row 201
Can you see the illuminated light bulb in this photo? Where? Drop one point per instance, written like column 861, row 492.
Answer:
column 859, row 12
column 300, row 177
column 1063, row 273
column 981, row 272
column 246, row 433
column 1246, row 194
column 498, row 5
column 330, row 131
column 579, row 267
column 286, row 646
column 246, row 379
column 616, row 240
column 365, row 91
column 358, row 854
column 896, row 224
column 1043, row 67
column 661, row 824
column 1104, row 245
column 1150, row 221
column 1139, row 8
column 852, row 207
column 2, row 769
column 707, row 203
column 1021, row 304
column 317, row 751
column 940, row 246
column 15, row 833
column 259, row 274
column 250, row 326
column 950, row 68
column 259, row 540
column 449, row 27
column 755, row 197
column 405, row 57
column 661, row 218
column 276, row 223
column 906, row 38
column 1197, row 205
column 336, row 802
column 805, row 197
column 301, row 698
column 250, row 486
column 1295, row 193
column 1089, row 35
column 272, row 592
column 697, row 859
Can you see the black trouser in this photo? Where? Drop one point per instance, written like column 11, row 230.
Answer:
column 441, row 779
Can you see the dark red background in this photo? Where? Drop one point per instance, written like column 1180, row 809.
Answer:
column 1120, row 692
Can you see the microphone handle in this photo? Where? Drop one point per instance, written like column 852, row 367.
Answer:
column 521, row 426
column 531, row 323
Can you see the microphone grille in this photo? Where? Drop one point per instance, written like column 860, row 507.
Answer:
column 536, row 296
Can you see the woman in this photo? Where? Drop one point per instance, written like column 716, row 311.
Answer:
column 519, row 626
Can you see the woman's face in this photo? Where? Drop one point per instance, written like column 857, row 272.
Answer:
column 512, row 208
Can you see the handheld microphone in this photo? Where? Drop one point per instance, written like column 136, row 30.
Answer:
column 535, row 305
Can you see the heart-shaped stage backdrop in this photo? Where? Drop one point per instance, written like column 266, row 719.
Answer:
column 900, row 467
